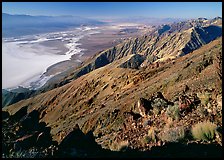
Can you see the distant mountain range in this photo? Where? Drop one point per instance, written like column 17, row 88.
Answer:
column 19, row 25
column 148, row 20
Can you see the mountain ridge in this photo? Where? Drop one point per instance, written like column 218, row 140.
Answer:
column 152, row 47
column 20, row 25
column 96, row 95
column 160, row 45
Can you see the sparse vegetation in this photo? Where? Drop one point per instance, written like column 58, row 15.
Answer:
column 219, row 102
column 218, row 65
column 204, row 97
column 155, row 110
column 158, row 105
column 204, row 131
column 172, row 134
column 119, row 146
column 146, row 139
column 152, row 134
column 173, row 112
column 202, row 111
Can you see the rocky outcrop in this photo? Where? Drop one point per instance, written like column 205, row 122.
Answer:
column 156, row 102
column 143, row 106
column 134, row 62
column 22, row 132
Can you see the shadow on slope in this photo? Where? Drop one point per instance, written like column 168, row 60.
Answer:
column 202, row 36
column 77, row 144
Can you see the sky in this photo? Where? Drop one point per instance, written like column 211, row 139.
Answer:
column 117, row 9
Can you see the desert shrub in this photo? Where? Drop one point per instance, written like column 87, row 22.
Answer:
column 202, row 111
column 119, row 146
column 155, row 110
column 150, row 137
column 204, row 131
column 146, row 139
column 173, row 112
column 152, row 134
column 172, row 134
column 204, row 97
column 158, row 105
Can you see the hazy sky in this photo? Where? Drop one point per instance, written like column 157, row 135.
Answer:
column 117, row 9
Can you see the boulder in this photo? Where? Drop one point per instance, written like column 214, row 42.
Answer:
column 184, row 103
column 143, row 106
column 158, row 102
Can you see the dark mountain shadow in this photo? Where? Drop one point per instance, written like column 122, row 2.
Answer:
column 19, row 114
column 23, row 131
column 205, row 34
column 164, row 29
column 78, row 144
column 214, row 31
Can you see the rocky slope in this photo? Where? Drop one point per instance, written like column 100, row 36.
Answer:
column 120, row 105
column 165, row 43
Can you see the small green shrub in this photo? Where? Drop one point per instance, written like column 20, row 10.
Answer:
column 159, row 103
column 173, row 112
column 152, row 134
column 172, row 134
column 204, row 97
column 146, row 139
column 204, row 131
column 155, row 110
column 202, row 111
column 150, row 137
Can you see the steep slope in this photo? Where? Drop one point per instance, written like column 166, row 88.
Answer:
column 165, row 43
column 102, row 100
